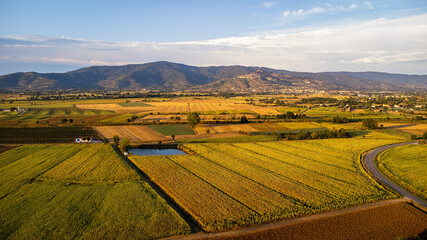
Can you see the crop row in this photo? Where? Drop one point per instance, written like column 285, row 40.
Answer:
column 227, row 185
column 76, row 191
column 44, row 135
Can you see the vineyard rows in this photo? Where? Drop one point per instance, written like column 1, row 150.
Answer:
column 227, row 185
column 44, row 135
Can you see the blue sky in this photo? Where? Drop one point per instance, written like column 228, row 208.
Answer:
column 57, row 36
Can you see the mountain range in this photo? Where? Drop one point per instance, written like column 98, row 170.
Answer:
column 175, row 77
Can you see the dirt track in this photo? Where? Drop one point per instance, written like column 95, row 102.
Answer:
column 369, row 161
column 382, row 220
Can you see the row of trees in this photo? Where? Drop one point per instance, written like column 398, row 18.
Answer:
column 315, row 135
column 123, row 145
column 291, row 115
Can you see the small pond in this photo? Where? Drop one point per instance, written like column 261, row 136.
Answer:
column 150, row 151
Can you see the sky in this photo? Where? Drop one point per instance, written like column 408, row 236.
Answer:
column 313, row 36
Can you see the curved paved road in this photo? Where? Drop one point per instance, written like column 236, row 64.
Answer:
column 369, row 161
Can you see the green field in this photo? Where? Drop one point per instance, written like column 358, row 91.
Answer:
column 224, row 186
column 407, row 166
column 79, row 192
column 173, row 129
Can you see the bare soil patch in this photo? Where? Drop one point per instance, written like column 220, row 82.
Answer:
column 383, row 222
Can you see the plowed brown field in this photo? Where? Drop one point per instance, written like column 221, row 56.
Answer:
column 382, row 222
column 385, row 222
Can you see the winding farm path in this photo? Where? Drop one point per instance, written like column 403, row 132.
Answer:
column 369, row 162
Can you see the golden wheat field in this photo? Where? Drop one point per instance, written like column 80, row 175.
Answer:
column 135, row 134
column 224, row 128
column 203, row 106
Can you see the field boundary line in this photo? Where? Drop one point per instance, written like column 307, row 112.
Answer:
column 287, row 178
column 283, row 223
column 292, row 199
column 215, row 187
column 194, row 225
column 32, row 180
column 121, row 127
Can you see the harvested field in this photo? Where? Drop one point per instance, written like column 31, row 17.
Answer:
column 385, row 222
column 227, row 138
column 300, row 125
column 202, row 106
column 418, row 129
column 224, row 128
column 338, row 126
column 268, row 126
column 135, row 133
column 224, row 186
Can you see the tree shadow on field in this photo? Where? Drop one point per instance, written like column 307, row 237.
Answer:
column 421, row 236
column 358, row 133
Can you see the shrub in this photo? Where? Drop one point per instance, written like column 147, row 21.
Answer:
column 116, row 140
column 244, row 119
column 193, row 119
column 124, row 145
column 370, row 123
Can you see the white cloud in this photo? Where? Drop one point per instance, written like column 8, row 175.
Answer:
column 394, row 45
column 286, row 13
column 329, row 8
column 268, row 4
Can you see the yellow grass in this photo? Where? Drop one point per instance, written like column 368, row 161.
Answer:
column 225, row 128
column 268, row 126
column 300, row 125
column 188, row 105
column 418, row 129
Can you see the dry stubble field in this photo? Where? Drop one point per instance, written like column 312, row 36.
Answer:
column 209, row 106
column 135, row 133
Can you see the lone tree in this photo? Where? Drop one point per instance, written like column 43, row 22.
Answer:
column 116, row 140
column 124, row 145
column 370, row 123
column 193, row 119
column 244, row 119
